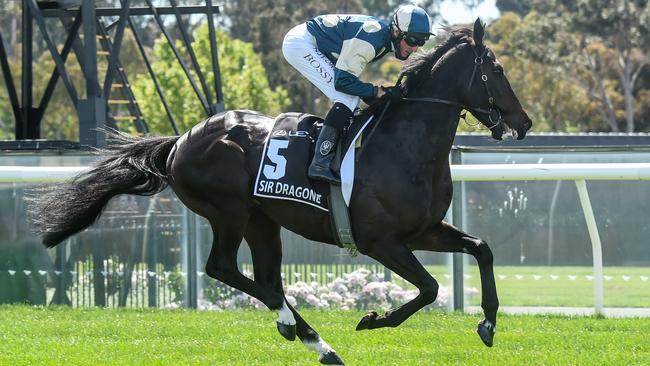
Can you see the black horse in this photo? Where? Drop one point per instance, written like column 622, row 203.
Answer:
column 402, row 188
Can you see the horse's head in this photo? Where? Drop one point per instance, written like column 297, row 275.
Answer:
column 486, row 93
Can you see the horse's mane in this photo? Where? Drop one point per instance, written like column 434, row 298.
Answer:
column 414, row 71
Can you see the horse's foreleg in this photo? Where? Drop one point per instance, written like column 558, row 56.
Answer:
column 447, row 238
column 263, row 238
column 401, row 260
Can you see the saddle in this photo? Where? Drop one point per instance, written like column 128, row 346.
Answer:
column 282, row 173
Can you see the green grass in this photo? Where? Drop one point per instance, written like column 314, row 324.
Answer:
column 64, row 336
column 544, row 290
column 562, row 291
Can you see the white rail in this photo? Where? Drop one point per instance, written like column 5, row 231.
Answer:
column 579, row 173
column 38, row 174
column 509, row 172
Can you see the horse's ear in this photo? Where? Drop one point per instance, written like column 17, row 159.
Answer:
column 479, row 32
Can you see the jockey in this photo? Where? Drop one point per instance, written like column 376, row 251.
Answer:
column 331, row 51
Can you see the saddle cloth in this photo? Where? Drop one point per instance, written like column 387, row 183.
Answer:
column 287, row 152
column 286, row 156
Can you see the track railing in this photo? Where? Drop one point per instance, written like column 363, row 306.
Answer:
column 579, row 173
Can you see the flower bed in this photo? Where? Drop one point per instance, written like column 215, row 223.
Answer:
column 361, row 290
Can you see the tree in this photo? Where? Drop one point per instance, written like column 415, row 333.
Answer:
column 386, row 8
column 264, row 23
column 244, row 80
column 623, row 27
column 602, row 45
column 519, row 7
column 552, row 102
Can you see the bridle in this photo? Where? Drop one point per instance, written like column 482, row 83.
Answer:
column 478, row 65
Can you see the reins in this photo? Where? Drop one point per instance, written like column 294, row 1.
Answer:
column 478, row 64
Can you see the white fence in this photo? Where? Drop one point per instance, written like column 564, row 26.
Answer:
column 579, row 173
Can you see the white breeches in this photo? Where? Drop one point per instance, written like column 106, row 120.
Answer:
column 299, row 49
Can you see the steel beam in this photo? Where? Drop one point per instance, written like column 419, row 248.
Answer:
column 179, row 58
column 219, row 102
column 138, row 10
column 60, row 65
column 22, row 129
column 125, row 90
column 49, row 90
column 115, row 51
column 92, row 110
column 81, row 18
column 190, row 50
column 168, row 110
column 9, row 83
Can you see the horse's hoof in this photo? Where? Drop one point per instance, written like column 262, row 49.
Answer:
column 330, row 358
column 486, row 331
column 287, row 331
column 367, row 320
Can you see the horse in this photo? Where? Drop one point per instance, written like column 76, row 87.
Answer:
column 402, row 187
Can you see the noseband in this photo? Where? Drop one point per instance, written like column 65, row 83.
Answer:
column 478, row 65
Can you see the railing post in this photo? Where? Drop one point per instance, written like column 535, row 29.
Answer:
column 60, row 279
column 191, row 296
column 152, row 256
column 595, row 244
column 457, row 220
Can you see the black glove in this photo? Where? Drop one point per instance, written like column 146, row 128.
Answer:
column 392, row 93
column 369, row 100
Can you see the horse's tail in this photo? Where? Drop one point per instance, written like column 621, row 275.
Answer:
column 130, row 166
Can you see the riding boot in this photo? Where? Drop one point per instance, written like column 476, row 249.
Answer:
column 323, row 156
column 325, row 149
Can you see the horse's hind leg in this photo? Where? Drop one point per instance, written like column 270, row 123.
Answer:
column 263, row 238
column 222, row 265
column 210, row 178
column 446, row 238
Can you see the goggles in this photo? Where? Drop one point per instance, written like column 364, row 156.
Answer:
column 414, row 41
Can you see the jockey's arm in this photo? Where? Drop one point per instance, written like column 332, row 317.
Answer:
column 355, row 56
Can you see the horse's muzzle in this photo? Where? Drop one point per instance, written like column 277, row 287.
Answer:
column 525, row 127
column 515, row 131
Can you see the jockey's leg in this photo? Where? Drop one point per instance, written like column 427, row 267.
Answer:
column 301, row 51
column 337, row 118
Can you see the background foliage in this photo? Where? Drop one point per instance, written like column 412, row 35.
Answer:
column 244, row 80
column 576, row 65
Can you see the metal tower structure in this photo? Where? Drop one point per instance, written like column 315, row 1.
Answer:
column 90, row 36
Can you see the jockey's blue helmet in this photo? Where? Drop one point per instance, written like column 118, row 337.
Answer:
column 413, row 24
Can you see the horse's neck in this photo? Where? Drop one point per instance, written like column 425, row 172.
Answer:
column 429, row 127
